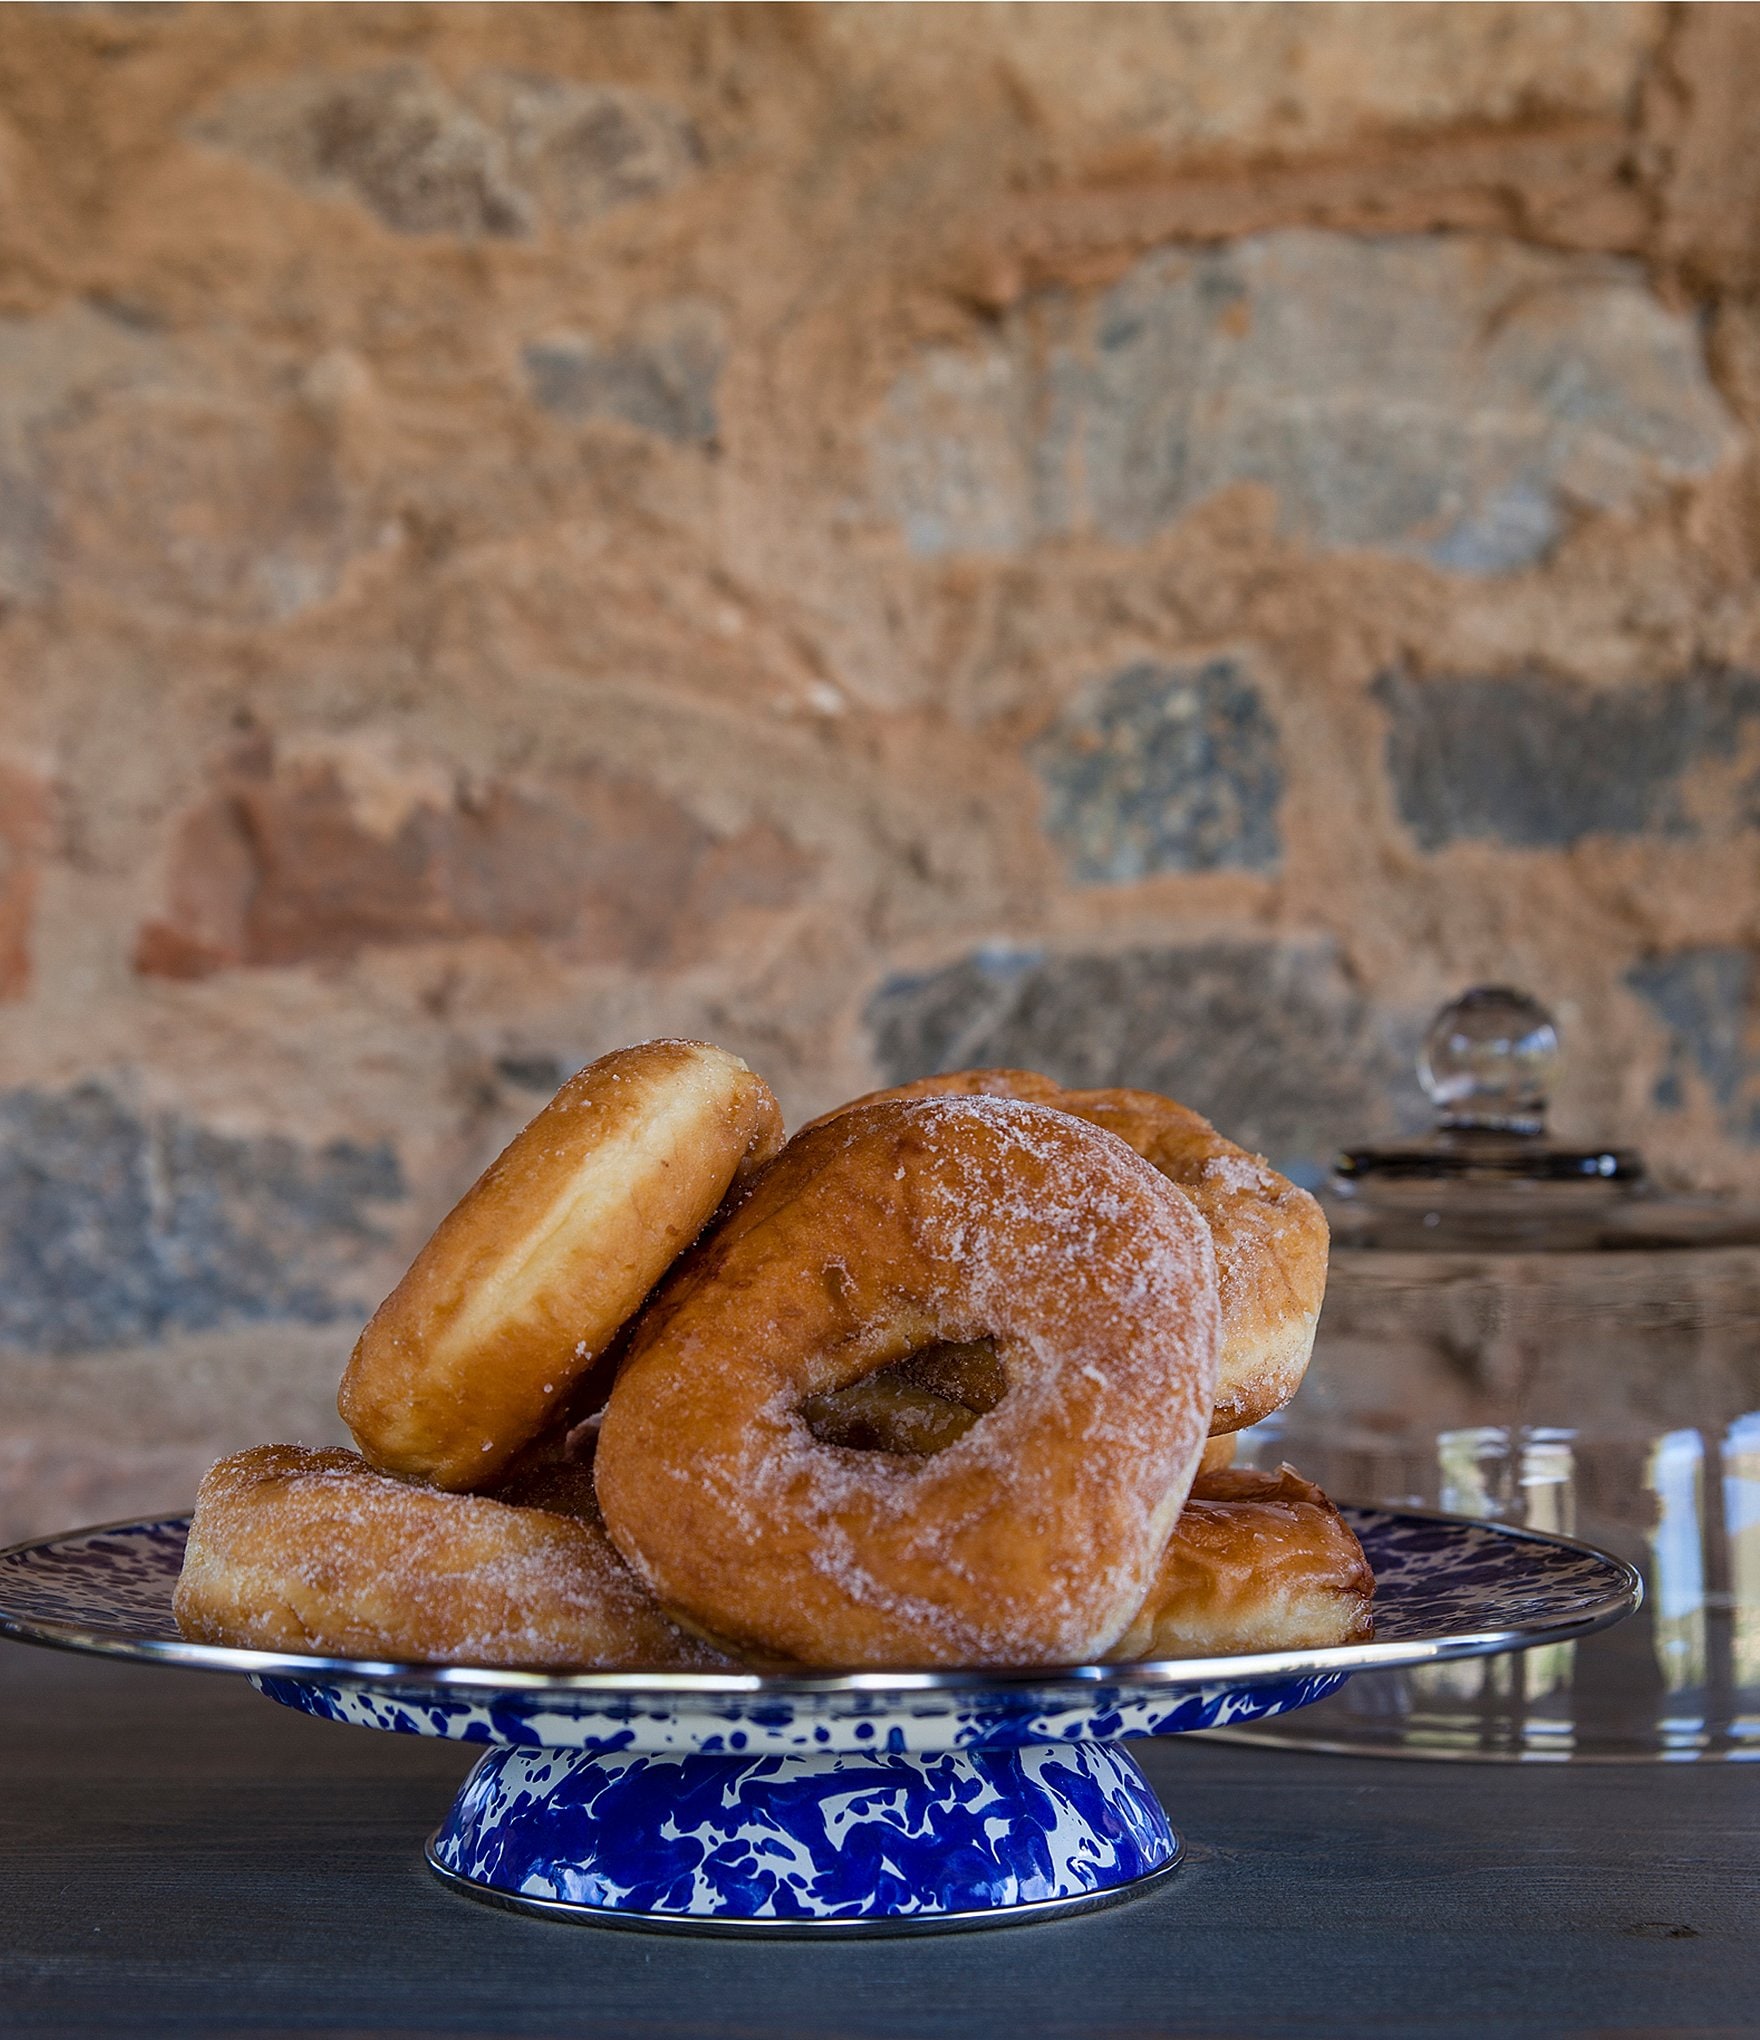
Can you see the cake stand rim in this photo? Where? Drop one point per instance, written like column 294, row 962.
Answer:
column 1623, row 1594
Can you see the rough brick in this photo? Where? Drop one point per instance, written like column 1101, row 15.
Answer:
column 24, row 826
column 661, row 380
column 1708, row 998
column 1267, row 1039
column 117, row 1226
column 394, row 139
column 1164, row 769
column 121, row 468
column 491, row 158
column 952, row 451
column 298, row 865
column 531, row 1070
column 1540, row 763
column 1406, row 394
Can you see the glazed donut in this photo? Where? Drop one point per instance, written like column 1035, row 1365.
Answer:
column 315, row 1552
column 1033, row 1538
column 530, row 1278
column 1271, row 1238
column 1257, row 1562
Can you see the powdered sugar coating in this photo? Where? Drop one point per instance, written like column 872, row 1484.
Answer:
column 291, row 1549
column 1271, row 1244
column 1238, row 1171
column 1032, row 1538
column 1270, row 1236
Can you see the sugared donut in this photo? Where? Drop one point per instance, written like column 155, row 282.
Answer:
column 1033, row 1538
column 533, row 1274
column 919, row 1405
column 1219, row 1451
column 1271, row 1237
column 898, row 1410
column 1258, row 1561
column 315, row 1552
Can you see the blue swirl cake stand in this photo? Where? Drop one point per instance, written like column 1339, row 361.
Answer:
column 814, row 1803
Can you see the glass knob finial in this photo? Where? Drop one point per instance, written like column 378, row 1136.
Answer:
column 1488, row 1061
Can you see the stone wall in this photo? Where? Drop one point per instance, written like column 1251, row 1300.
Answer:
column 1152, row 541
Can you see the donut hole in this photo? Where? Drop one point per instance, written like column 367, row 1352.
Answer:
column 916, row 1406
column 969, row 1372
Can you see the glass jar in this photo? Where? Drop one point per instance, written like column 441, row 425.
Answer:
column 1522, row 1330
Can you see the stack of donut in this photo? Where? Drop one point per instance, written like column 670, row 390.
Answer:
column 951, row 1378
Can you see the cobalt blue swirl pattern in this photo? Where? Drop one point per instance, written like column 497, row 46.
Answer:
column 823, row 1838
column 1440, row 1576
column 116, row 1581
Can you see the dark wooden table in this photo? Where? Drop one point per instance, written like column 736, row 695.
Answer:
column 181, row 1856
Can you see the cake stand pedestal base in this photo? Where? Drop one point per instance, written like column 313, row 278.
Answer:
column 859, row 1843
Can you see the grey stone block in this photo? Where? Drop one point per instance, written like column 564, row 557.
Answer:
column 394, row 139
column 533, row 1070
column 1268, row 1039
column 952, row 452
column 1164, row 769
column 117, row 1227
column 1709, row 1000
column 491, row 157
column 583, row 149
column 1540, row 763
column 1433, row 395
column 661, row 381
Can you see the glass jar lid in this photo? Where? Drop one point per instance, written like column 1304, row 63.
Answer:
column 1487, row 1065
column 1489, row 1175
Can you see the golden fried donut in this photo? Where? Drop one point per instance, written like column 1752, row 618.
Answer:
column 1219, row 1449
column 1257, row 1561
column 530, row 1278
column 896, row 1411
column 918, row 1405
column 315, row 1552
column 1271, row 1238
column 1033, row 1538
column 886, row 1413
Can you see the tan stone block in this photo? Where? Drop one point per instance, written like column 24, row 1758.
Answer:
column 221, row 505
column 92, row 1438
column 1176, row 80
column 52, row 368
column 1700, row 151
